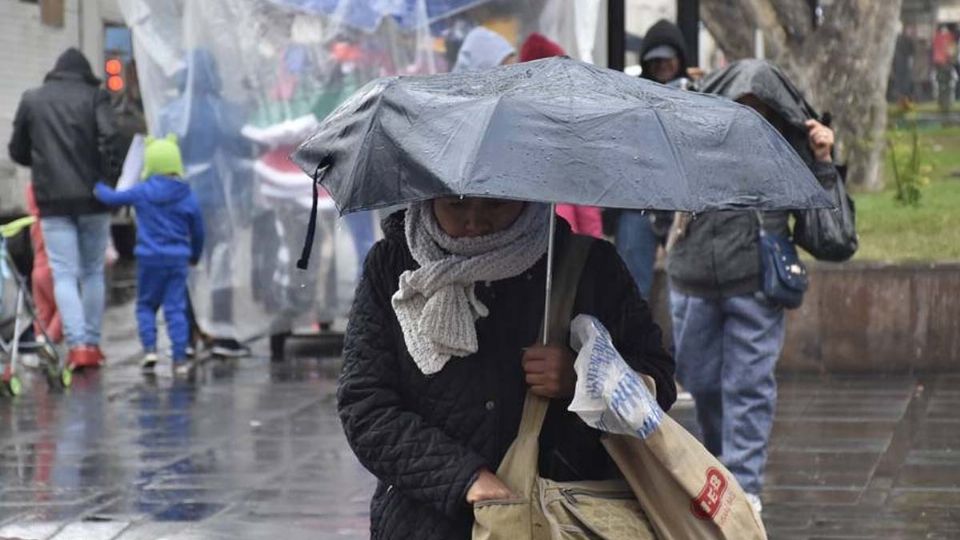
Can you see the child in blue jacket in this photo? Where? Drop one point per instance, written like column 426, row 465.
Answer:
column 169, row 238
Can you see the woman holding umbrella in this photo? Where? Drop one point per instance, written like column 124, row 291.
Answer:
column 440, row 351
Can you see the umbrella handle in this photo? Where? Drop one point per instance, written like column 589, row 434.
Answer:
column 549, row 287
column 312, row 225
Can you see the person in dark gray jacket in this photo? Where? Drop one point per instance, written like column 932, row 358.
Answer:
column 727, row 335
column 663, row 57
column 65, row 130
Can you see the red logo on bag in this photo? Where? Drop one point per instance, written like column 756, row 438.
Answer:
column 707, row 503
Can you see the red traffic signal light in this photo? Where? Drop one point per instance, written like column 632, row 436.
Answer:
column 115, row 83
column 114, row 69
column 114, row 66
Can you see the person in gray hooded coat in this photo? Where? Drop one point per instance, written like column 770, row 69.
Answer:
column 727, row 335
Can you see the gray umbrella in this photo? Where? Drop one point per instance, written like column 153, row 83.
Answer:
column 554, row 130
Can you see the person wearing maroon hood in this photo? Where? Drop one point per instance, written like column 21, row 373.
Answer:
column 41, row 279
column 582, row 219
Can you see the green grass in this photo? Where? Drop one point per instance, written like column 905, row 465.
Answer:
column 929, row 232
column 922, row 107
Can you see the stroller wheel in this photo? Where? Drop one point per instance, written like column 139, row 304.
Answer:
column 59, row 378
column 13, row 386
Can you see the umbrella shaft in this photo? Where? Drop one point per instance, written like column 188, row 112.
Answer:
column 549, row 287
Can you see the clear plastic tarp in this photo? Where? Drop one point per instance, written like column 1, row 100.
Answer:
column 243, row 82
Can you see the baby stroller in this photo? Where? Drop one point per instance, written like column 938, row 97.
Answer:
column 17, row 314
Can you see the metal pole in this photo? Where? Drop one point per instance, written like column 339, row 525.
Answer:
column 15, row 350
column 688, row 19
column 616, row 34
column 549, row 287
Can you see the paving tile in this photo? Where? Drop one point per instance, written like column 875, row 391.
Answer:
column 830, row 435
column 794, row 468
column 923, row 497
column 820, row 495
column 153, row 530
column 91, row 530
column 26, row 530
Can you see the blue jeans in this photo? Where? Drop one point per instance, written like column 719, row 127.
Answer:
column 638, row 247
column 726, row 353
column 166, row 286
column 76, row 247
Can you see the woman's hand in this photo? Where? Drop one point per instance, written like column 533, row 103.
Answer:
column 549, row 371
column 488, row 487
column 821, row 140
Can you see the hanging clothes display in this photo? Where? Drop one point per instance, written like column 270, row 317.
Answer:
column 242, row 83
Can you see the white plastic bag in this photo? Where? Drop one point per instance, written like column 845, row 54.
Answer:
column 609, row 395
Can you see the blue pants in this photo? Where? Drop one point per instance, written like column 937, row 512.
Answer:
column 637, row 245
column 362, row 227
column 166, row 286
column 726, row 353
column 76, row 246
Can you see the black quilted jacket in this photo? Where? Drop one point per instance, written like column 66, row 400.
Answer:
column 426, row 437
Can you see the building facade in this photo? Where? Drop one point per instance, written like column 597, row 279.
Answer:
column 33, row 33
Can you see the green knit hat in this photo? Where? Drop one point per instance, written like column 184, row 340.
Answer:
column 162, row 156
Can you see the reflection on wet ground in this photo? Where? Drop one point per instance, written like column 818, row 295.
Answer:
column 253, row 450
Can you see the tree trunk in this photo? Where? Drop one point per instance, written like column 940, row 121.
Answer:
column 841, row 65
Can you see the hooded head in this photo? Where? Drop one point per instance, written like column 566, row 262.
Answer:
column 73, row 64
column 764, row 82
column 162, row 157
column 537, row 46
column 663, row 41
column 482, row 49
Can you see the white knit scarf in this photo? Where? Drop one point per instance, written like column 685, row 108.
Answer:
column 436, row 303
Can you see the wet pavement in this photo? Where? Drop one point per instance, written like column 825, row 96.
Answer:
column 250, row 449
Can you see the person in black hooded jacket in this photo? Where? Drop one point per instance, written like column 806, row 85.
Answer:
column 433, row 428
column 66, row 132
column 663, row 54
column 663, row 57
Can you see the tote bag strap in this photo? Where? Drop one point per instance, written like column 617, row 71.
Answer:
column 519, row 466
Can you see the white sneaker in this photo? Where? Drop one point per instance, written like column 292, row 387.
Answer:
column 189, row 351
column 149, row 361
column 182, row 368
column 755, row 502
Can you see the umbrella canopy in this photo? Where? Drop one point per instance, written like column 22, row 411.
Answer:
column 367, row 14
column 554, row 130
